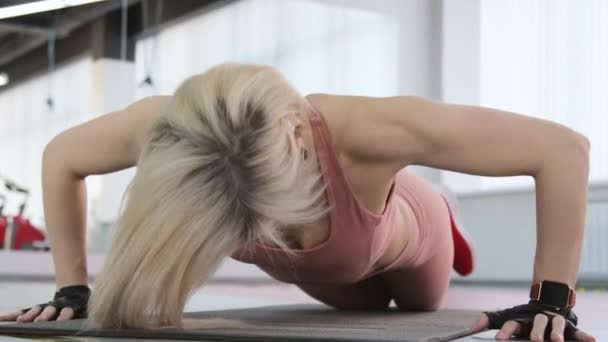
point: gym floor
(592, 306)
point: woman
(313, 190)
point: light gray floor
(592, 306)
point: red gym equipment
(17, 232)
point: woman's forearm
(64, 198)
(561, 202)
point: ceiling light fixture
(40, 6)
(3, 79)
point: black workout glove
(75, 297)
(524, 314)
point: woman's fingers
(66, 314)
(10, 317)
(538, 330)
(47, 314)
(36, 314)
(482, 323)
(30, 315)
(583, 336)
(509, 329)
(557, 333)
(559, 326)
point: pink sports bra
(357, 239)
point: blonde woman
(311, 189)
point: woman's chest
(370, 191)
(372, 194)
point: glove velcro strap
(80, 292)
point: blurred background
(545, 58)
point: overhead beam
(40, 7)
(27, 29)
(68, 20)
(36, 61)
(96, 37)
(27, 45)
(92, 32)
(173, 11)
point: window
(548, 59)
(319, 48)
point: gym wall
(29, 123)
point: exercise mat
(299, 322)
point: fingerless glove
(524, 314)
(75, 297)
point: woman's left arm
(492, 142)
(561, 202)
(406, 130)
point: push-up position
(311, 189)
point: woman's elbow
(580, 147)
(585, 143)
(576, 142)
(51, 153)
(55, 159)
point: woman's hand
(531, 321)
(69, 302)
(36, 313)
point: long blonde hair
(220, 170)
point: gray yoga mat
(300, 322)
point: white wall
(81, 89)
(27, 124)
(503, 225)
(460, 53)
(419, 41)
(113, 90)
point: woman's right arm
(103, 145)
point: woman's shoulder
(360, 130)
(340, 113)
(369, 178)
(334, 109)
(143, 114)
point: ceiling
(21, 35)
(4, 3)
(95, 28)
